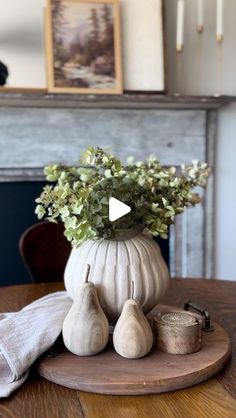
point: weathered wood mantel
(20, 112)
(41, 128)
(127, 101)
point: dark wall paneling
(17, 214)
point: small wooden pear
(85, 329)
(132, 337)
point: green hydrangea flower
(80, 196)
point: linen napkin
(26, 334)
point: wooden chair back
(45, 251)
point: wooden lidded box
(178, 332)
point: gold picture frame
(85, 58)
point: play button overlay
(117, 209)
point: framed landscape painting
(83, 46)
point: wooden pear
(132, 336)
(85, 329)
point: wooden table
(216, 398)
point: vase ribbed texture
(114, 266)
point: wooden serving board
(108, 373)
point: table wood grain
(216, 398)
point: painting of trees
(58, 20)
(99, 49)
(83, 43)
(108, 33)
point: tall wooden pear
(85, 329)
(132, 337)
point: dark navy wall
(164, 245)
(17, 204)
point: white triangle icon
(117, 209)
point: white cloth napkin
(26, 334)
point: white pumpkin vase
(115, 264)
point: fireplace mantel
(41, 128)
(125, 101)
(24, 109)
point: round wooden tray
(108, 373)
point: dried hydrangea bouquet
(119, 252)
